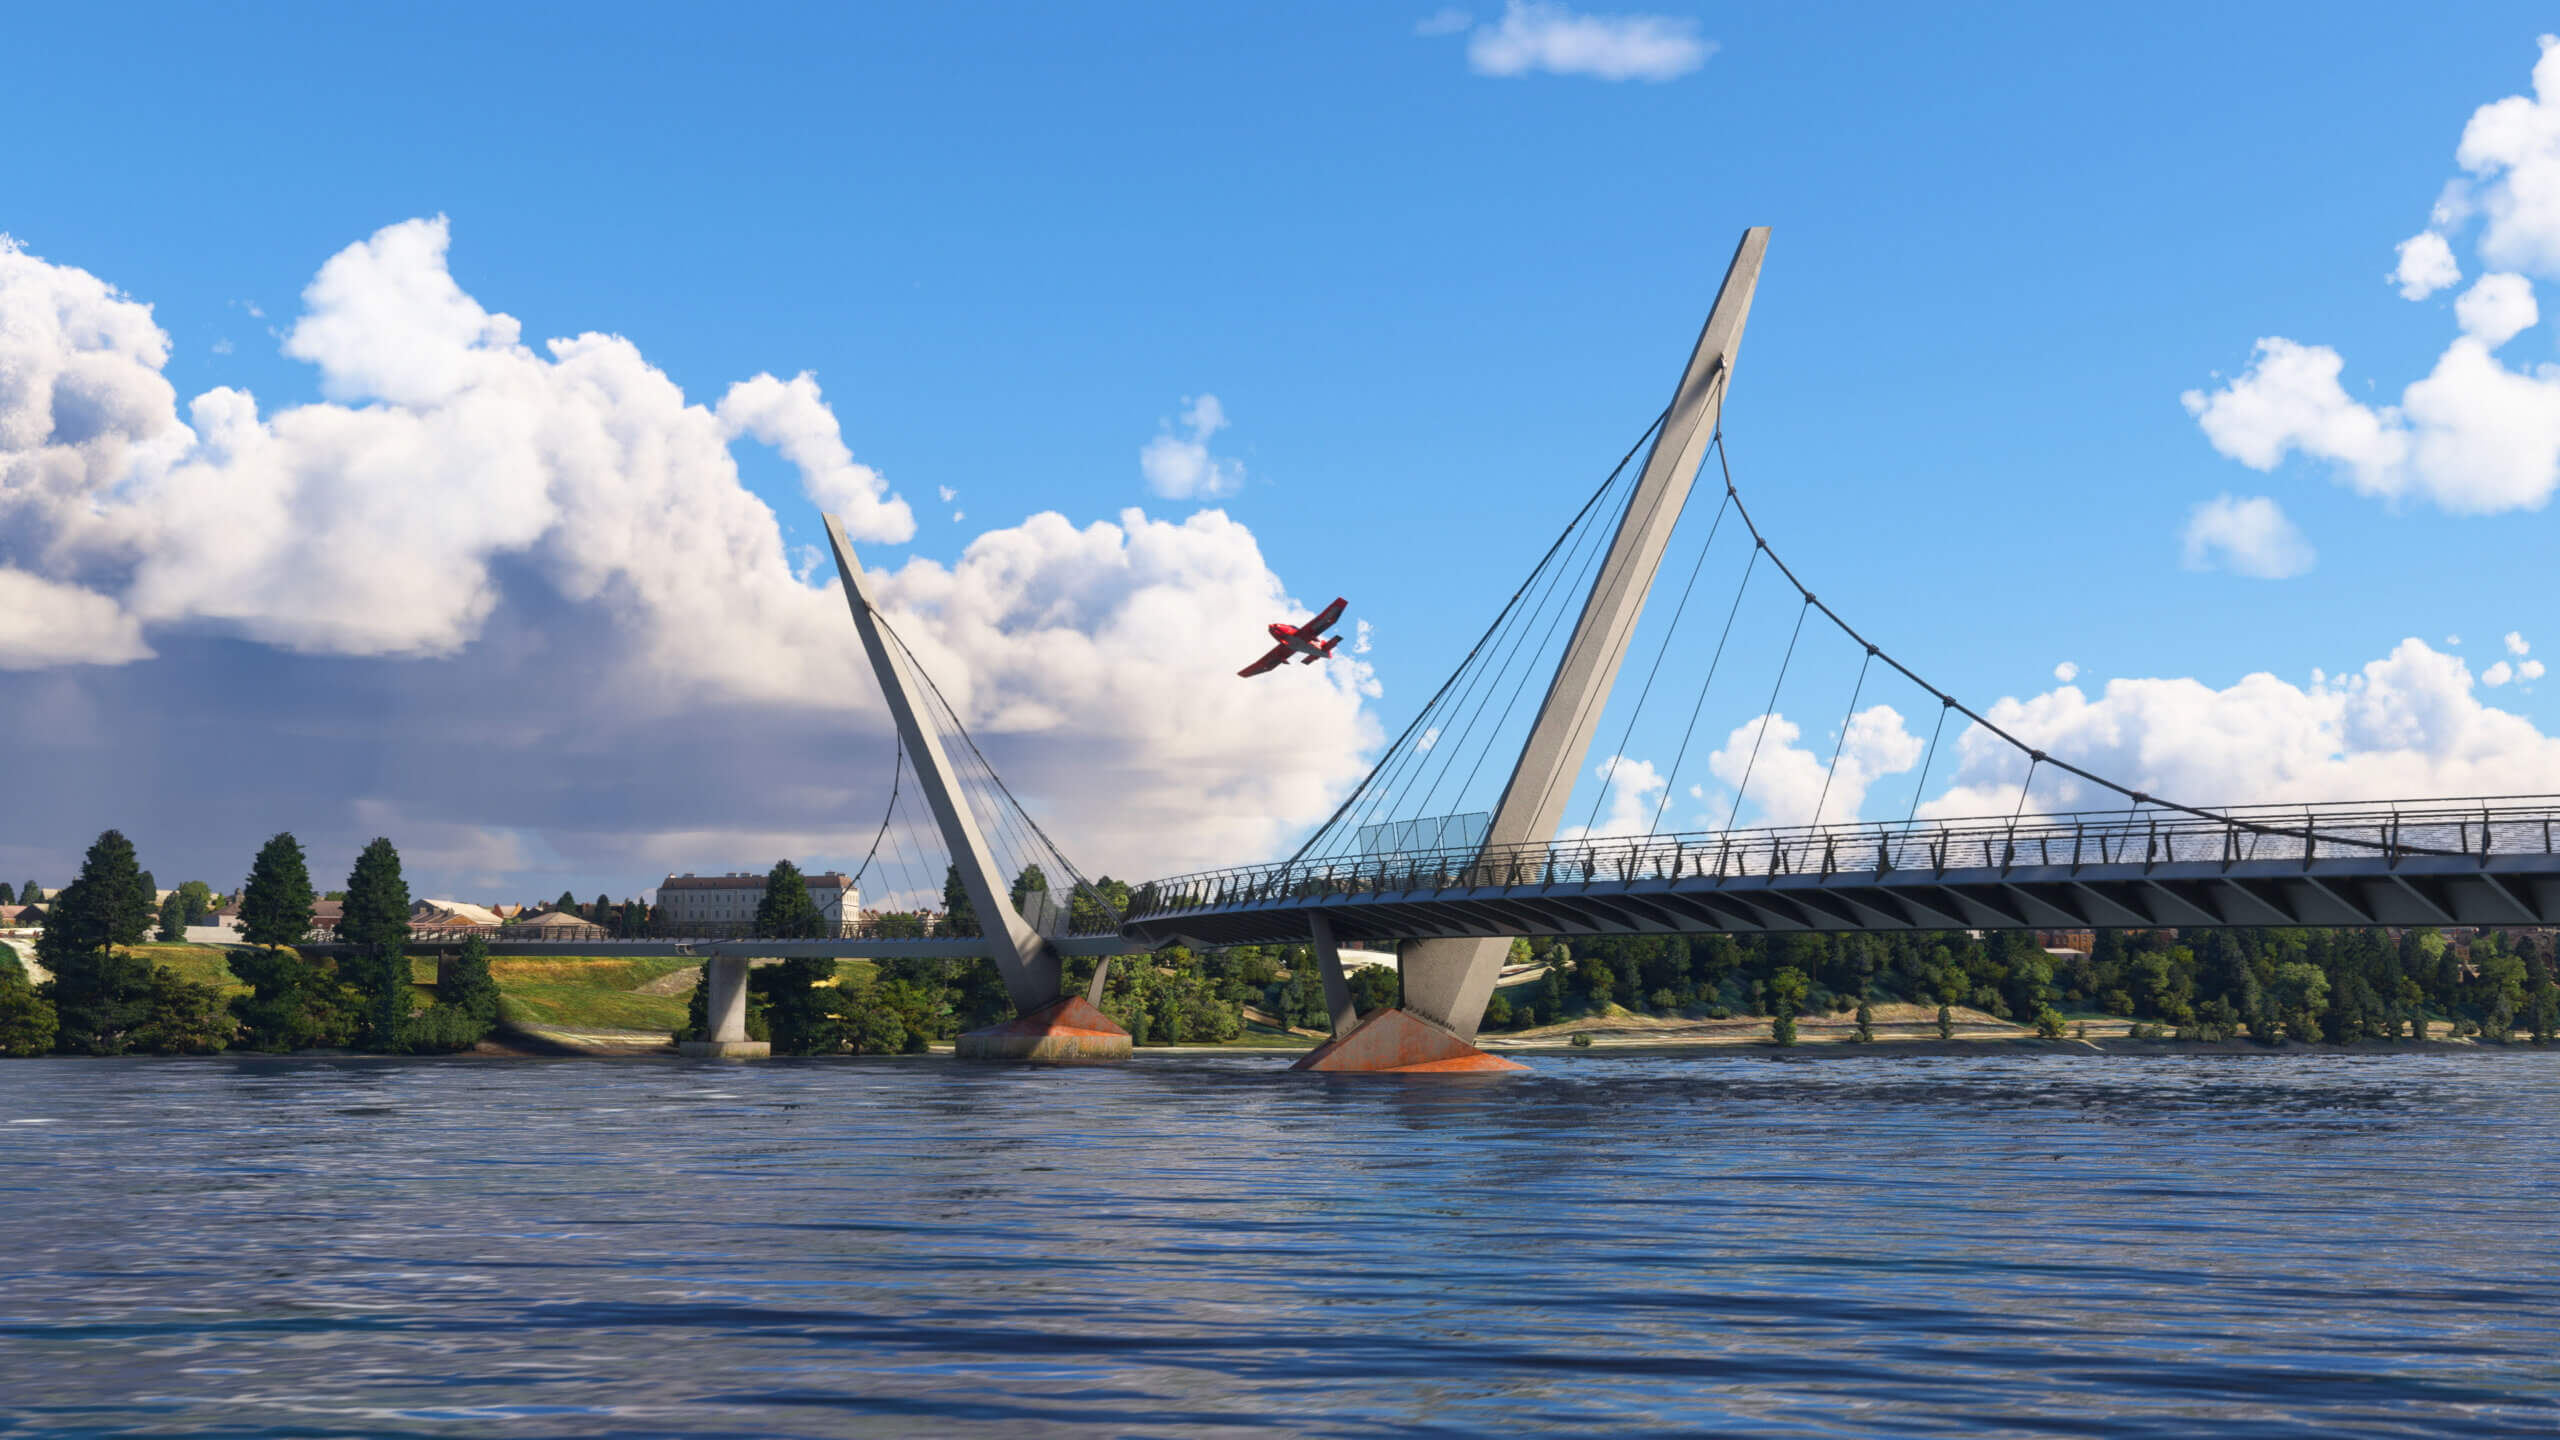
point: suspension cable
(1672, 780)
(1854, 692)
(1770, 714)
(1927, 757)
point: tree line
(104, 997)
(2273, 986)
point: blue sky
(1012, 243)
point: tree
(602, 914)
(275, 905)
(27, 1022)
(375, 923)
(1786, 996)
(185, 1018)
(2048, 1023)
(959, 918)
(786, 912)
(2301, 992)
(467, 986)
(173, 919)
(31, 893)
(292, 1004)
(100, 992)
(1946, 1023)
(1866, 1022)
(196, 898)
(568, 902)
(7, 895)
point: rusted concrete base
(724, 1049)
(1063, 1032)
(1392, 1042)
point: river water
(2253, 1245)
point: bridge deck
(2492, 863)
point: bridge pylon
(1051, 1025)
(1447, 982)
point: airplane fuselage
(1298, 644)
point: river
(2006, 1245)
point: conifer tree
(100, 991)
(376, 923)
(173, 919)
(567, 901)
(786, 912)
(959, 917)
(7, 895)
(275, 905)
(603, 913)
(467, 985)
(31, 893)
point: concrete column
(724, 979)
(1337, 985)
(1448, 981)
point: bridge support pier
(724, 978)
(1386, 1042)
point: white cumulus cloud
(2516, 643)
(2246, 537)
(1789, 784)
(1629, 791)
(547, 550)
(2474, 436)
(1180, 467)
(1536, 36)
(2066, 672)
(2407, 726)
(2426, 266)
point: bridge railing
(2473, 828)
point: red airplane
(1300, 640)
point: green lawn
(203, 964)
(588, 992)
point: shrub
(2048, 1023)
(27, 1022)
(1582, 1039)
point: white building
(731, 899)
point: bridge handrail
(2475, 828)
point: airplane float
(1300, 640)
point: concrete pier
(724, 980)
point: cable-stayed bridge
(1457, 840)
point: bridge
(1457, 839)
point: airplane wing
(1324, 617)
(1279, 656)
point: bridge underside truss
(2345, 891)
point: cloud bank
(513, 600)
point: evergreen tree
(568, 902)
(8, 896)
(275, 905)
(31, 893)
(100, 991)
(27, 1023)
(467, 986)
(375, 923)
(185, 1017)
(292, 1004)
(786, 912)
(1946, 1023)
(1786, 994)
(959, 918)
(602, 914)
(173, 919)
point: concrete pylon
(724, 978)
(1053, 1025)
(1447, 982)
